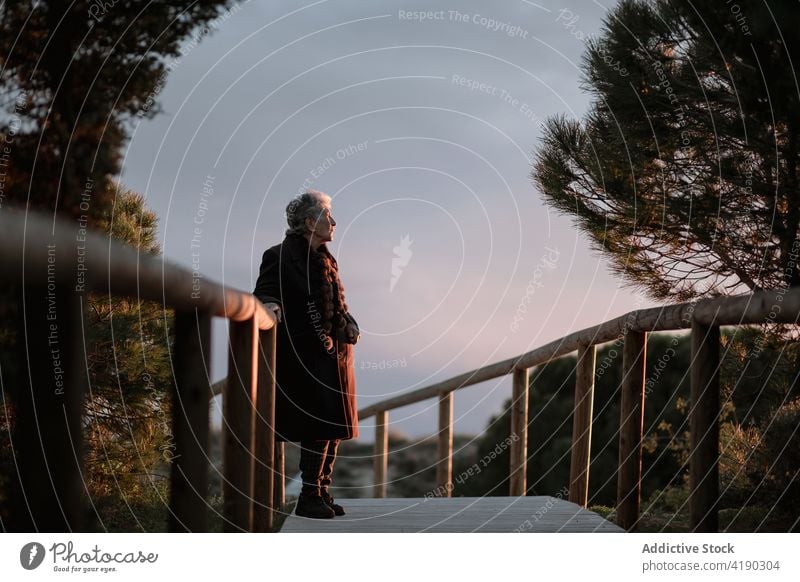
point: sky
(422, 128)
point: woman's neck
(313, 241)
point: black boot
(310, 505)
(337, 509)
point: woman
(315, 379)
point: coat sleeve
(268, 284)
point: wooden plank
(519, 432)
(238, 422)
(444, 464)
(264, 436)
(381, 460)
(582, 426)
(456, 514)
(629, 477)
(704, 428)
(190, 418)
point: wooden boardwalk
(456, 514)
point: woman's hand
(275, 308)
(352, 333)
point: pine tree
(127, 411)
(73, 76)
(684, 172)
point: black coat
(315, 389)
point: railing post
(519, 432)
(444, 466)
(380, 462)
(631, 427)
(704, 428)
(189, 471)
(48, 490)
(238, 419)
(264, 446)
(582, 426)
(279, 487)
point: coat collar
(299, 249)
(296, 250)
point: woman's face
(323, 227)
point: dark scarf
(326, 288)
(329, 289)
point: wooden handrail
(62, 261)
(754, 308)
(119, 269)
(703, 316)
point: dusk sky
(422, 132)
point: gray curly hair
(309, 204)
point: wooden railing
(54, 264)
(704, 317)
(58, 262)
